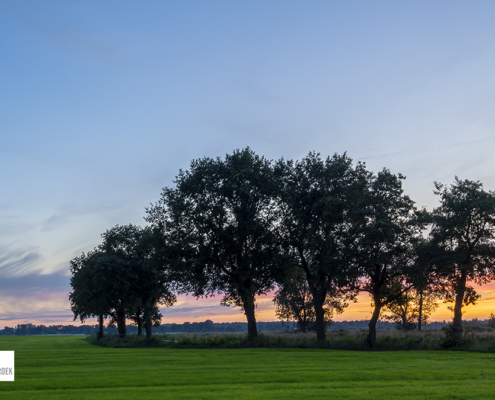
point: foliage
(424, 276)
(474, 339)
(120, 278)
(320, 230)
(317, 202)
(463, 229)
(491, 321)
(149, 276)
(294, 302)
(404, 309)
(222, 217)
(101, 286)
(452, 339)
(88, 297)
(381, 239)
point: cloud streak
(424, 149)
(15, 262)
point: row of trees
(318, 230)
(124, 277)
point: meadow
(70, 368)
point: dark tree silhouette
(380, 241)
(137, 316)
(317, 202)
(121, 278)
(222, 217)
(410, 308)
(101, 287)
(149, 282)
(294, 302)
(88, 298)
(463, 228)
(424, 276)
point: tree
(294, 302)
(411, 308)
(221, 220)
(424, 276)
(149, 281)
(122, 278)
(115, 280)
(463, 227)
(101, 288)
(380, 241)
(491, 321)
(88, 297)
(317, 202)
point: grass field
(70, 368)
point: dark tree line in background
(319, 231)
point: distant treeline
(209, 326)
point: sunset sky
(101, 104)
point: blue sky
(101, 103)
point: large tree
(149, 279)
(101, 287)
(381, 240)
(318, 200)
(122, 278)
(464, 229)
(88, 298)
(222, 218)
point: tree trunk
(420, 316)
(121, 323)
(147, 322)
(459, 298)
(139, 322)
(100, 327)
(372, 324)
(248, 303)
(320, 320)
(404, 321)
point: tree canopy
(317, 202)
(316, 231)
(223, 217)
(463, 229)
(121, 278)
(380, 241)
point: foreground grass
(70, 368)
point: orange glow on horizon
(190, 309)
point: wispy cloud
(426, 149)
(16, 262)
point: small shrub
(491, 321)
(453, 339)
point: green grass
(70, 368)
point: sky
(101, 104)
